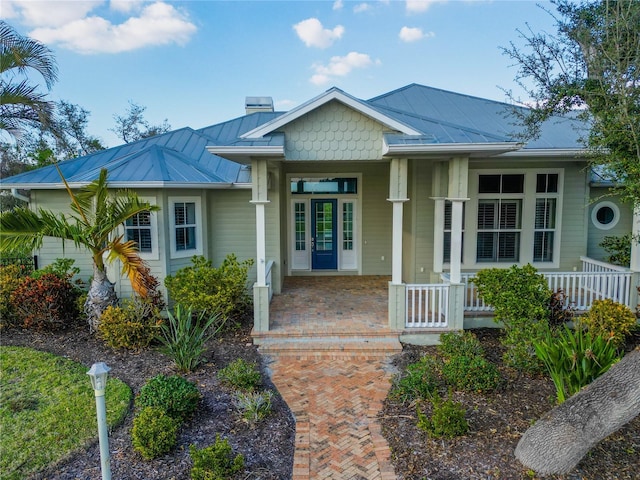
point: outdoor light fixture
(98, 375)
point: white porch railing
(427, 306)
(599, 280)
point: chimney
(258, 104)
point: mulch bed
(267, 447)
(496, 421)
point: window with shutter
(446, 252)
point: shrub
(11, 276)
(154, 433)
(618, 248)
(419, 380)
(574, 359)
(47, 303)
(215, 462)
(240, 374)
(204, 288)
(610, 320)
(133, 326)
(61, 267)
(254, 406)
(175, 395)
(183, 337)
(520, 298)
(471, 373)
(447, 419)
(453, 344)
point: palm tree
(21, 105)
(93, 225)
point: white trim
(526, 230)
(244, 153)
(322, 99)
(154, 254)
(341, 198)
(470, 149)
(199, 226)
(570, 154)
(612, 223)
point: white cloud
(125, 6)
(338, 4)
(313, 34)
(419, 6)
(340, 66)
(413, 34)
(284, 104)
(361, 7)
(158, 24)
(42, 14)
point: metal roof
(416, 116)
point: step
(332, 345)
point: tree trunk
(559, 440)
(101, 295)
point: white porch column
(635, 240)
(438, 233)
(458, 186)
(634, 265)
(259, 188)
(397, 196)
(259, 199)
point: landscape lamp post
(98, 374)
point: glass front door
(324, 253)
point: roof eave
(450, 149)
(136, 185)
(568, 153)
(244, 154)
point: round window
(605, 215)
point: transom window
(306, 186)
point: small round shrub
(241, 375)
(472, 374)
(453, 344)
(154, 433)
(215, 462)
(133, 326)
(47, 303)
(610, 320)
(175, 395)
(419, 380)
(11, 276)
(447, 419)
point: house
(423, 185)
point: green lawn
(47, 409)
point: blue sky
(194, 62)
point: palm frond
(132, 265)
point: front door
(324, 252)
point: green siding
(596, 235)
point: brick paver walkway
(329, 347)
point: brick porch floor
(329, 346)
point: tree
(21, 105)
(591, 68)
(93, 225)
(70, 131)
(132, 126)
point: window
(446, 253)
(499, 219)
(605, 215)
(324, 186)
(300, 226)
(347, 226)
(138, 229)
(545, 217)
(186, 235)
